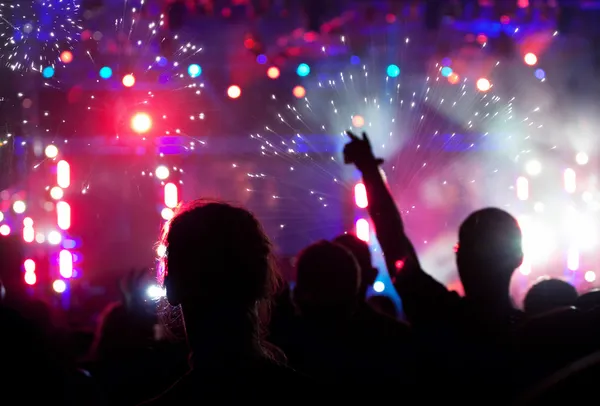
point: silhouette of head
(548, 295)
(489, 250)
(328, 279)
(588, 300)
(361, 252)
(218, 265)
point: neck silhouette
(222, 336)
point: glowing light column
(63, 221)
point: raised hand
(359, 152)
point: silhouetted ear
(172, 294)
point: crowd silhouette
(232, 331)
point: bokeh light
(393, 71)
(128, 80)
(453, 78)
(194, 70)
(303, 70)
(540, 74)
(483, 85)
(582, 158)
(533, 167)
(19, 207)
(162, 172)
(48, 72)
(106, 72)
(51, 151)
(358, 121)
(530, 59)
(234, 92)
(446, 71)
(141, 123)
(59, 286)
(299, 92)
(66, 57)
(273, 72)
(4, 230)
(57, 193)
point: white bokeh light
(162, 172)
(378, 286)
(582, 158)
(533, 168)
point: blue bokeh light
(354, 60)
(262, 59)
(194, 70)
(48, 72)
(303, 69)
(446, 71)
(540, 74)
(162, 62)
(106, 72)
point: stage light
(194, 70)
(66, 57)
(378, 286)
(57, 193)
(29, 265)
(530, 59)
(59, 286)
(51, 151)
(155, 292)
(273, 72)
(358, 121)
(30, 278)
(363, 230)
(48, 72)
(166, 214)
(161, 250)
(63, 215)
(54, 238)
(63, 174)
(570, 180)
(573, 258)
(28, 234)
(299, 92)
(106, 72)
(65, 264)
(303, 70)
(590, 276)
(354, 60)
(171, 195)
(4, 230)
(446, 71)
(161, 172)
(27, 222)
(533, 168)
(19, 207)
(128, 80)
(483, 85)
(393, 71)
(522, 188)
(234, 91)
(1, 216)
(360, 196)
(141, 123)
(453, 78)
(582, 158)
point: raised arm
(424, 299)
(389, 228)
